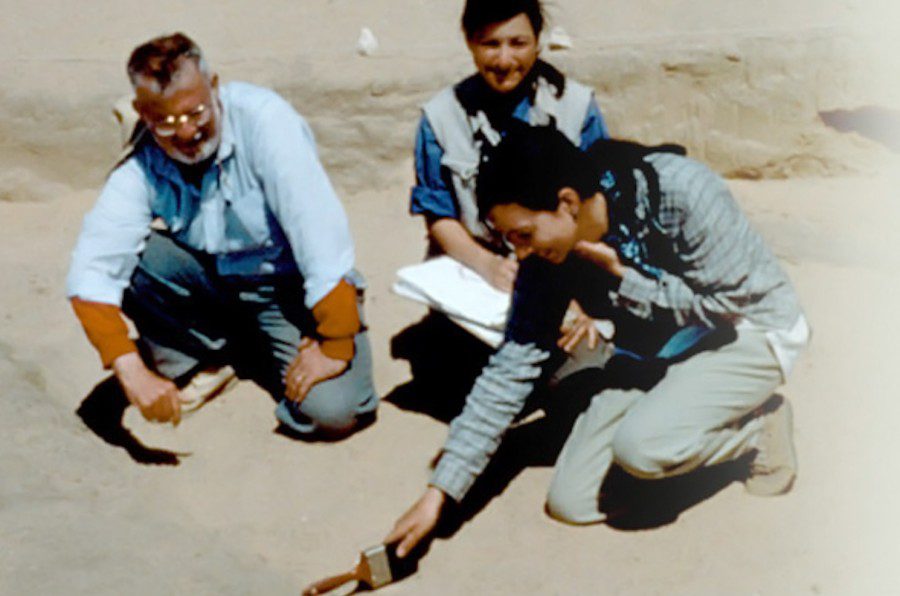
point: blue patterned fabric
(631, 224)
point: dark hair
(160, 58)
(478, 14)
(532, 163)
(529, 167)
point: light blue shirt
(265, 194)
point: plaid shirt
(717, 271)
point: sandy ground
(248, 511)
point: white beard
(207, 148)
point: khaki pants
(688, 419)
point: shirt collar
(226, 141)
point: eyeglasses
(168, 126)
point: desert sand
(248, 511)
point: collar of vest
(475, 95)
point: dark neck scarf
(630, 221)
(476, 95)
(633, 228)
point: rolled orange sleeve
(105, 328)
(337, 321)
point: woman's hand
(500, 272)
(456, 242)
(417, 522)
(576, 327)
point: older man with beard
(222, 239)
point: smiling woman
(504, 52)
(511, 84)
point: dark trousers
(189, 317)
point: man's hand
(156, 397)
(500, 272)
(310, 367)
(600, 254)
(417, 522)
(576, 327)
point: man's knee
(165, 260)
(333, 417)
(164, 283)
(336, 410)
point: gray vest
(457, 133)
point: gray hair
(157, 62)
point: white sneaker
(774, 469)
(206, 385)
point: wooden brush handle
(330, 583)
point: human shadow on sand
(445, 360)
(103, 410)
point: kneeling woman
(657, 237)
(511, 84)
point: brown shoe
(775, 467)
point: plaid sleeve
(498, 395)
(716, 249)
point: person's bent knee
(332, 420)
(570, 508)
(164, 261)
(333, 414)
(567, 511)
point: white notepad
(450, 287)
(465, 297)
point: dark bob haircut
(529, 167)
(478, 14)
